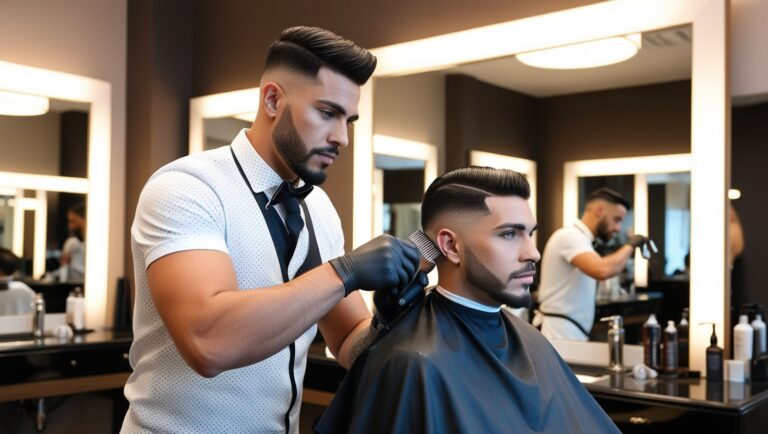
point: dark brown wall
(638, 121)
(749, 155)
(231, 36)
(484, 117)
(158, 93)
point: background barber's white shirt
(565, 289)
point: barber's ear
(448, 244)
(271, 94)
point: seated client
(457, 362)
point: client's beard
(482, 278)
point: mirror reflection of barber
(73, 252)
(571, 268)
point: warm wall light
(590, 54)
(19, 104)
(734, 194)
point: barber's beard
(483, 279)
(603, 231)
(294, 150)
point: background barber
(570, 267)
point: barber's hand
(383, 262)
(391, 302)
(637, 241)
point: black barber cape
(446, 368)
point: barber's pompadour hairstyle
(9, 262)
(608, 195)
(306, 49)
(465, 190)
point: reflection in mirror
(658, 189)
(220, 131)
(398, 187)
(46, 228)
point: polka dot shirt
(201, 202)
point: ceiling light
(590, 54)
(19, 104)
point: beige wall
(412, 107)
(749, 34)
(30, 144)
(83, 37)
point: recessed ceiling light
(590, 54)
(19, 104)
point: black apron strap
(284, 248)
(566, 317)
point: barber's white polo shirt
(565, 289)
(202, 202)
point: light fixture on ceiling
(589, 54)
(19, 104)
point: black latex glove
(383, 262)
(391, 302)
(637, 241)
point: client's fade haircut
(306, 49)
(465, 190)
(610, 196)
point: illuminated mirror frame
(637, 166)
(97, 93)
(710, 114)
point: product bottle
(682, 340)
(743, 336)
(78, 312)
(38, 321)
(70, 310)
(759, 334)
(714, 357)
(742, 339)
(670, 350)
(651, 342)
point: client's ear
(447, 242)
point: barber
(239, 260)
(570, 267)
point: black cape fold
(445, 368)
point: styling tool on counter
(743, 336)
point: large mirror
(658, 189)
(685, 49)
(692, 35)
(54, 176)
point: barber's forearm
(239, 328)
(354, 344)
(617, 261)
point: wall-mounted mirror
(687, 42)
(52, 163)
(691, 34)
(658, 189)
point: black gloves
(383, 262)
(637, 241)
(390, 302)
